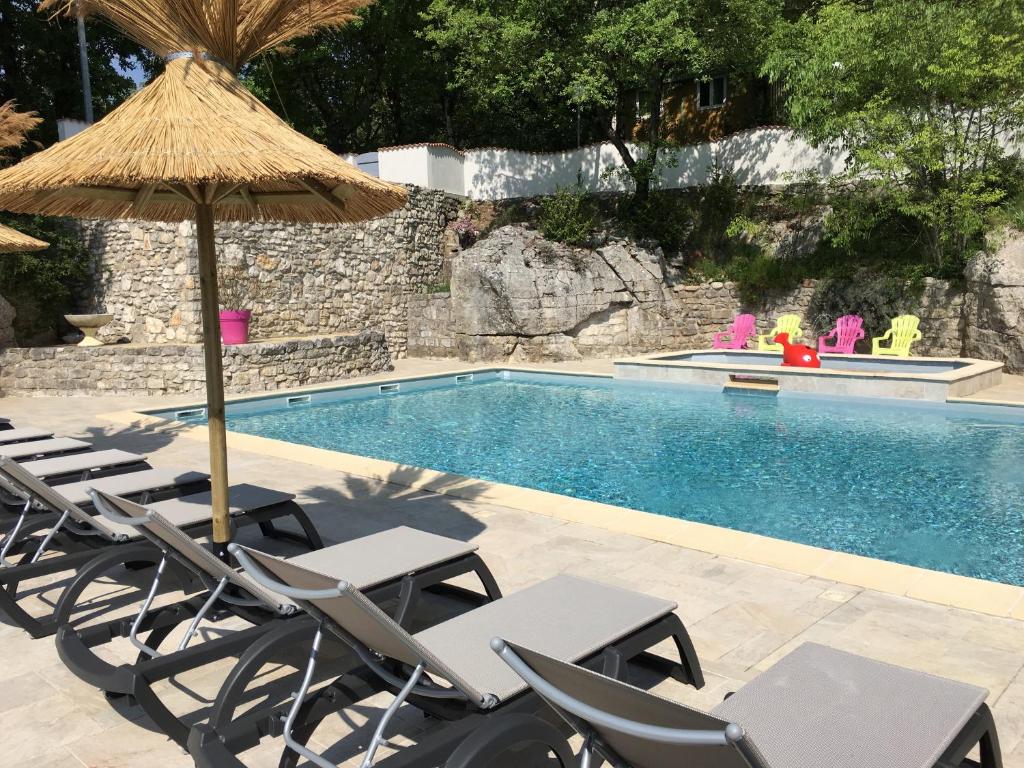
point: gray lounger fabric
(81, 462)
(822, 707)
(23, 433)
(131, 483)
(43, 447)
(189, 510)
(567, 616)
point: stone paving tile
(742, 617)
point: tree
(925, 98)
(371, 83)
(39, 65)
(531, 64)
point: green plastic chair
(902, 334)
(785, 324)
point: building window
(711, 93)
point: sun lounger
(399, 563)
(44, 505)
(39, 449)
(24, 434)
(76, 538)
(84, 466)
(454, 675)
(816, 707)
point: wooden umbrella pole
(214, 376)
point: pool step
(751, 386)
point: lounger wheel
(298, 631)
(103, 562)
(507, 732)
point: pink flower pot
(234, 326)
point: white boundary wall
(758, 157)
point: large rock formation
(518, 296)
(994, 328)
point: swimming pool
(933, 486)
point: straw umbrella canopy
(196, 145)
(14, 125)
(13, 241)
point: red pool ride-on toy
(797, 355)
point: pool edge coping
(951, 590)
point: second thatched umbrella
(14, 126)
(195, 144)
(13, 241)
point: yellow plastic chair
(785, 324)
(902, 334)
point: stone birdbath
(89, 325)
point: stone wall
(146, 275)
(319, 279)
(430, 326)
(943, 320)
(994, 314)
(161, 369)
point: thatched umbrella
(14, 126)
(13, 241)
(195, 144)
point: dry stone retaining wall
(430, 326)
(317, 278)
(160, 369)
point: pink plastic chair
(743, 327)
(848, 331)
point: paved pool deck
(742, 615)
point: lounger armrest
(115, 517)
(884, 336)
(729, 735)
(917, 335)
(261, 577)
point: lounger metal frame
(472, 734)
(271, 634)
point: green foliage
(39, 65)
(876, 297)
(372, 83)
(42, 286)
(922, 95)
(863, 236)
(568, 216)
(662, 216)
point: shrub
(662, 217)
(875, 297)
(568, 216)
(43, 285)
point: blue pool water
(932, 487)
